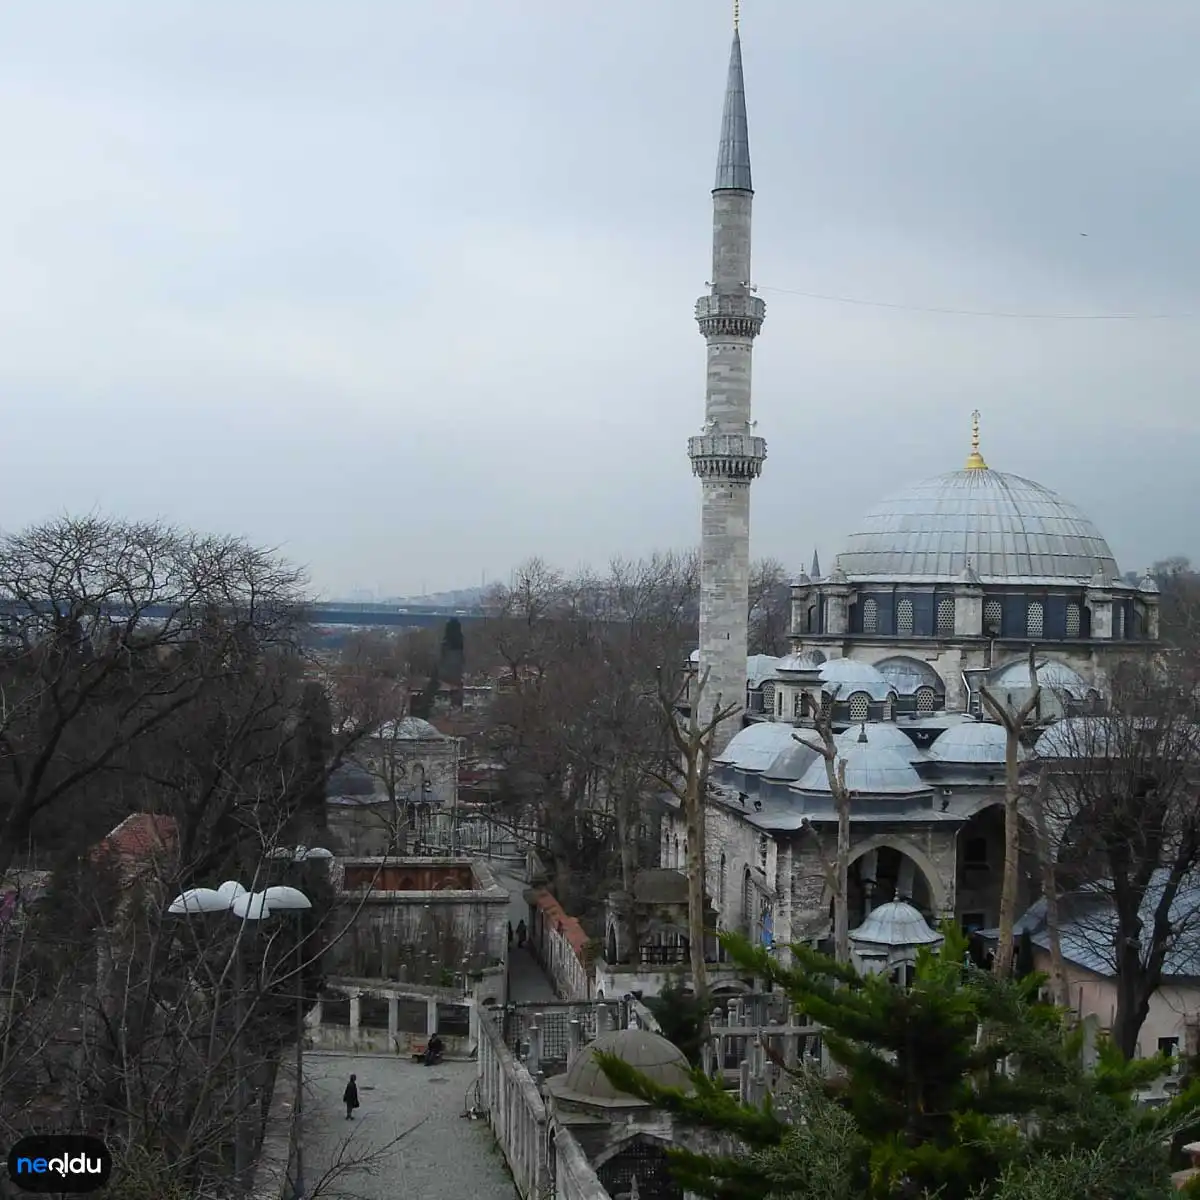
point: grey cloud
(407, 290)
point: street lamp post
(300, 854)
(233, 898)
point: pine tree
(925, 1107)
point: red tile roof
(557, 918)
(140, 836)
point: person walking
(350, 1097)
(521, 931)
(510, 933)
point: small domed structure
(791, 762)
(650, 1053)
(410, 729)
(756, 747)
(891, 936)
(1076, 737)
(973, 743)
(882, 736)
(870, 770)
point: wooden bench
(418, 1050)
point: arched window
(1074, 620)
(678, 861)
(1035, 619)
(870, 615)
(993, 618)
(945, 616)
(812, 619)
(904, 618)
(926, 700)
(797, 704)
(1118, 621)
(763, 849)
(721, 885)
(860, 706)
(779, 704)
(747, 900)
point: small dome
(1053, 676)
(895, 924)
(760, 668)
(850, 670)
(809, 660)
(791, 762)
(350, 780)
(973, 743)
(756, 747)
(655, 1057)
(409, 729)
(883, 737)
(1149, 584)
(1076, 737)
(869, 770)
(1007, 528)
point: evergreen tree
(680, 1016)
(926, 1105)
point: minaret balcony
(727, 455)
(730, 314)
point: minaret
(727, 457)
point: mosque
(942, 591)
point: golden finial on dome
(975, 459)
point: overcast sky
(406, 289)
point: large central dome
(1008, 529)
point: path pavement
(527, 982)
(445, 1156)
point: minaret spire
(728, 455)
(733, 156)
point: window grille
(904, 618)
(870, 616)
(859, 706)
(1074, 620)
(1035, 619)
(945, 616)
(926, 699)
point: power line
(858, 301)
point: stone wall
(451, 922)
(559, 944)
(276, 1164)
(519, 1121)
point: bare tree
(116, 632)
(687, 779)
(770, 607)
(1120, 793)
(1014, 722)
(837, 872)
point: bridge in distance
(327, 613)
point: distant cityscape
(458, 598)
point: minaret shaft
(728, 456)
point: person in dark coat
(350, 1097)
(521, 933)
(510, 934)
(434, 1051)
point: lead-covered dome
(1006, 528)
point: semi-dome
(656, 1058)
(756, 747)
(1051, 675)
(849, 675)
(973, 743)
(1005, 528)
(791, 762)
(881, 737)
(808, 660)
(870, 770)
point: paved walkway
(444, 1157)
